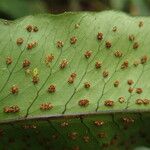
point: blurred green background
(12, 9)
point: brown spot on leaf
(64, 124)
(100, 36)
(31, 45)
(77, 26)
(29, 28)
(35, 29)
(46, 106)
(83, 102)
(105, 73)
(70, 80)
(139, 101)
(87, 85)
(125, 64)
(98, 123)
(86, 139)
(73, 135)
(35, 79)
(130, 82)
(116, 83)
(60, 44)
(141, 23)
(88, 54)
(136, 63)
(9, 60)
(131, 37)
(108, 44)
(109, 103)
(73, 40)
(29, 126)
(146, 101)
(135, 45)
(19, 41)
(52, 88)
(49, 58)
(14, 89)
(63, 63)
(26, 63)
(98, 64)
(114, 29)
(144, 59)
(130, 90)
(118, 53)
(73, 75)
(121, 99)
(139, 90)
(11, 109)
(127, 120)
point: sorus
(60, 44)
(83, 102)
(19, 41)
(108, 44)
(109, 103)
(131, 37)
(130, 82)
(35, 79)
(14, 89)
(86, 139)
(73, 40)
(98, 123)
(100, 36)
(121, 99)
(125, 65)
(88, 54)
(29, 28)
(144, 59)
(116, 83)
(87, 85)
(98, 64)
(135, 45)
(52, 88)
(11, 109)
(130, 90)
(118, 54)
(46, 106)
(63, 63)
(73, 135)
(26, 63)
(105, 73)
(9, 60)
(139, 90)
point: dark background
(12, 9)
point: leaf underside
(75, 64)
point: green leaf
(117, 4)
(19, 8)
(94, 65)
